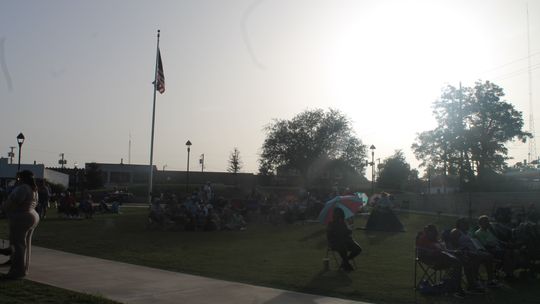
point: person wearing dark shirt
(44, 195)
(474, 250)
(500, 250)
(340, 239)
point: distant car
(121, 197)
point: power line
(517, 72)
(510, 63)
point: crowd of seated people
(290, 209)
(196, 213)
(496, 248)
(205, 211)
(520, 234)
(68, 207)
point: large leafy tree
(395, 172)
(93, 176)
(473, 126)
(310, 143)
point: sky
(76, 76)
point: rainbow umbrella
(350, 204)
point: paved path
(128, 283)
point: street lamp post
(76, 177)
(372, 148)
(20, 141)
(188, 145)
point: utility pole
(11, 155)
(532, 141)
(129, 149)
(62, 161)
(462, 137)
(372, 148)
(201, 161)
(429, 178)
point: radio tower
(532, 141)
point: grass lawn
(23, 292)
(285, 256)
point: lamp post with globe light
(188, 145)
(20, 142)
(372, 148)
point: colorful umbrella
(350, 204)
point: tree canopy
(93, 176)
(311, 143)
(235, 163)
(473, 126)
(395, 172)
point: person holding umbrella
(340, 239)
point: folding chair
(425, 269)
(336, 258)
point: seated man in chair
(473, 250)
(340, 239)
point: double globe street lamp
(372, 148)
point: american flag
(160, 86)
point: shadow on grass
(378, 237)
(314, 235)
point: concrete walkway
(128, 283)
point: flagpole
(151, 174)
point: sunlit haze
(76, 76)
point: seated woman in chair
(340, 239)
(435, 254)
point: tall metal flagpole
(151, 174)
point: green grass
(24, 291)
(285, 256)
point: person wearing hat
(23, 219)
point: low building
(525, 178)
(122, 175)
(441, 184)
(9, 171)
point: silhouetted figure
(340, 239)
(23, 219)
(382, 218)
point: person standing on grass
(340, 239)
(44, 194)
(23, 219)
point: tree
(474, 124)
(310, 142)
(395, 172)
(235, 163)
(94, 179)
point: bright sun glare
(390, 64)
